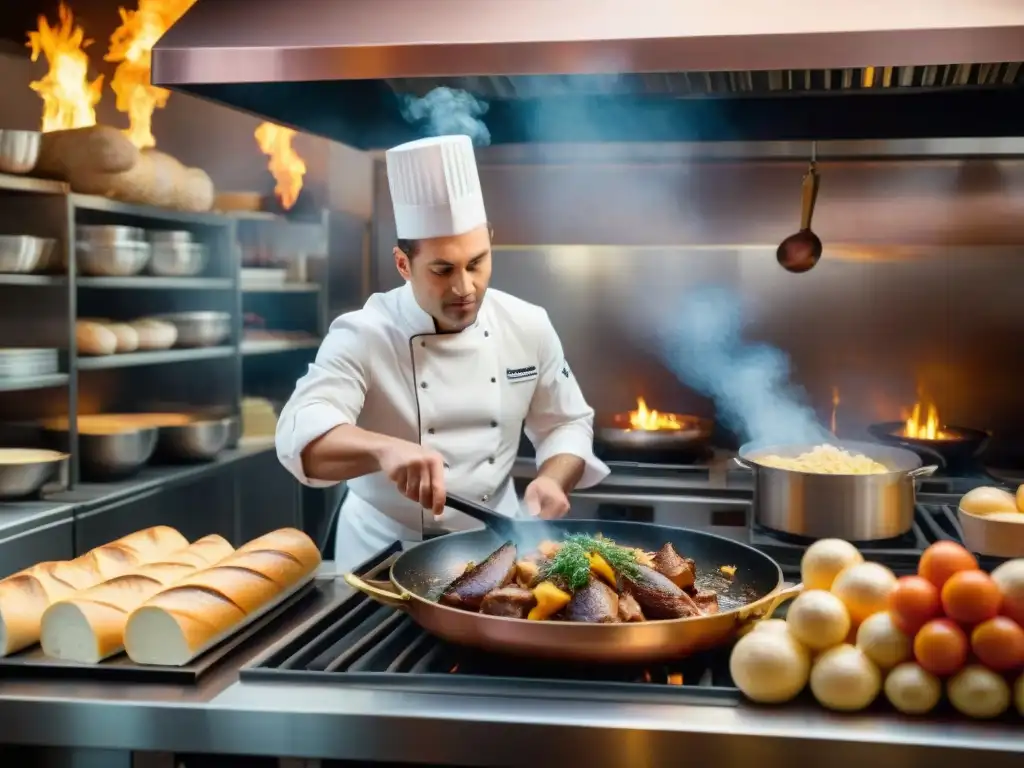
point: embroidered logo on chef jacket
(521, 374)
(566, 370)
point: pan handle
(762, 609)
(500, 524)
(381, 591)
(928, 471)
(742, 464)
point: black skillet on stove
(666, 434)
(420, 574)
(960, 448)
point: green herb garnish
(572, 565)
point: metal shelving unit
(41, 311)
(271, 365)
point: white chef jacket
(465, 395)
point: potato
(824, 560)
(978, 692)
(769, 667)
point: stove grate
(359, 642)
(932, 522)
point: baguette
(179, 623)
(89, 626)
(27, 594)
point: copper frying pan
(419, 575)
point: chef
(427, 388)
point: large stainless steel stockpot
(818, 506)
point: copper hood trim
(251, 41)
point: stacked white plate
(22, 363)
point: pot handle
(759, 610)
(742, 464)
(928, 471)
(381, 591)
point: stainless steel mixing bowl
(202, 440)
(199, 329)
(20, 478)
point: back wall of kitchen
(916, 299)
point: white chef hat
(435, 187)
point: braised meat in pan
(582, 579)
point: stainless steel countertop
(20, 516)
(342, 721)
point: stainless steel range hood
(611, 70)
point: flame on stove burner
(651, 421)
(923, 424)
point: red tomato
(999, 644)
(941, 647)
(913, 602)
(971, 597)
(942, 559)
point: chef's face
(449, 276)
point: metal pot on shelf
(852, 507)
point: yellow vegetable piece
(600, 566)
(550, 600)
(728, 570)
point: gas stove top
(359, 642)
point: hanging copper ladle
(801, 251)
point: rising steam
(446, 111)
(749, 382)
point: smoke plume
(446, 111)
(749, 382)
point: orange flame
(924, 424)
(286, 166)
(131, 44)
(649, 421)
(69, 98)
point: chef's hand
(545, 499)
(416, 471)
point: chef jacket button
(485, 497)
(493, 380)
(490, 459)
(447, 465)
(486, 334)
(430, 431)
(423, 385)
(494, 423)
(423, 343)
